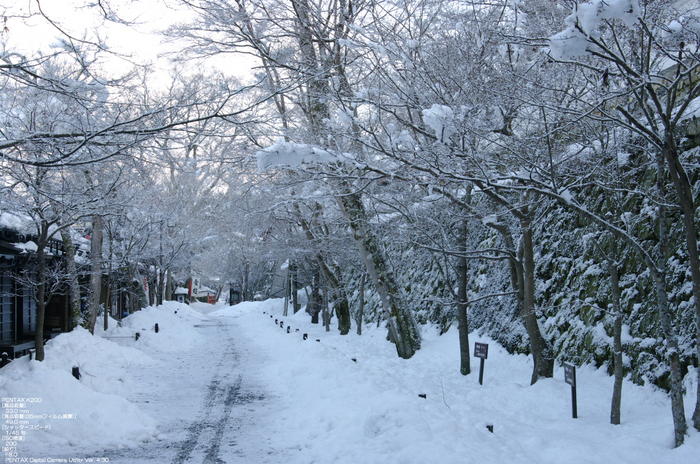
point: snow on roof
(20, 224)
(28, 247)
(24, 225)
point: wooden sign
(570, 378)
(570, 374)
(481, 350)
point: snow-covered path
(207, 402)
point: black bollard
(76, 372)
(137, 336)
(156, 327)
(5, 360)
(289, 329)
(490, 427)
(276, 321)
(282, 324)
(306, 336)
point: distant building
(182, 295)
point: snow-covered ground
(227, 384)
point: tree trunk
(295, 288)
(287, 278)
(522, 275)
(617, 335)
(246, 272)
(342, 312)
(139, 297)
(153, 286)
(336, 294)
(41, 292)
(684, 191)
(677, 407)
(169, 285)
(108, 306)
(95, 272)
(326, 313)
(315, 107)
(361, 310)
(522, 271)
(315, 304)
(73, 283)
(542, 353)
(330, 276)
(403, 329)
(464, 354)
(161, 285)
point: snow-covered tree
(648, 71)
(303, 48)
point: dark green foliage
(573, 293)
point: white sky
(139, 41)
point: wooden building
(18, 309)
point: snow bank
(96, 419)
(176, 331)
(97, 415)
(102, 363)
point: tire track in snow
(206, 426)
(209, 407)
(215, 422)
(222, 394)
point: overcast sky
(139, 40)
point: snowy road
(206, 401)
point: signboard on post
(144, 282)
(194, 286)
(570, 378)
(481, 350)
(570, 374)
